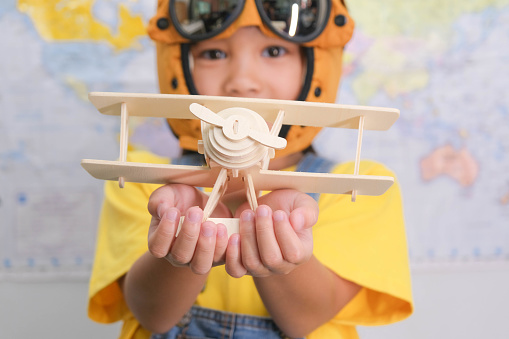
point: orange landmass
(457, 164)
(505, 199)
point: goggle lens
(296, 20)
(198, 20)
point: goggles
(298, 21)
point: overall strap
(314, 163)
(190, 159)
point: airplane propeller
(236, 127)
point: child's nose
(244, 78)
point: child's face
(248, 64)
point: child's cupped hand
(198, 245)
(274, 239)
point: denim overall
(205, 323)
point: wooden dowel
(358, 153)
(124, 137)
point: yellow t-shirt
(363, 242)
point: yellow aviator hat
(324, 64)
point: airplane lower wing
(151, 173)
(264, 180)
(269, 180)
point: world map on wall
(443, 64)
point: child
(297, 268)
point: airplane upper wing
(296, 112)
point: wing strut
(218, 191)
(274, 131)
(358, 153)
(124, 136)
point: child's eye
(213, 54)
(274, 51)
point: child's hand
(273, 242)
(198, 245)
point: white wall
(48, 310)
(457, 303)
(454, 303)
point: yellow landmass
(72, 20)
(367, 84)
(463, 133)
(387, 69)
(406, 82)
(79, 87)
(414, 17)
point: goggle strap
(310, 68)
(184, 56)
(306, 86)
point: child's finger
(268, 247)
(233, 265)
(163, 196)
(203, 258)
(303, 218)
(221, 244)
(249, 245)
(184, 245)
(289, 201)
(162, 232)
(289, 242)
(180, 196)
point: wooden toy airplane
(237, 145)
